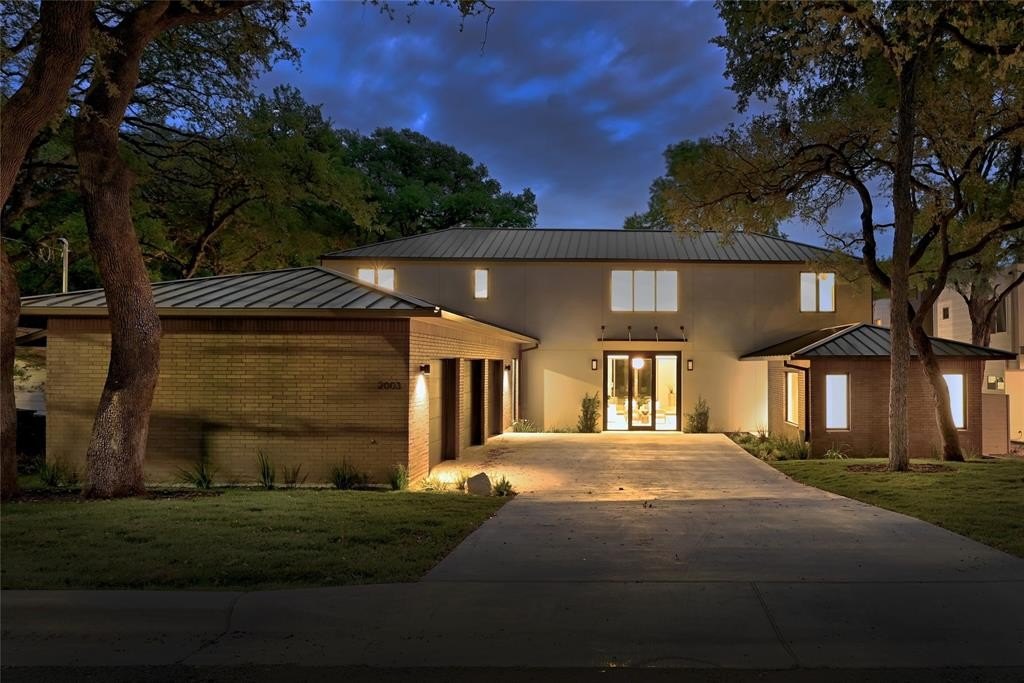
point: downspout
(519, 378)
(807, 397)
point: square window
(367, 275)
(480, 277)
(837, 402)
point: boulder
(479, 485)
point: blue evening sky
(576, 100)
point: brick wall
(869, 407)
(302, 391)
(777, 423)
(429, 342)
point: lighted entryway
(641, 391)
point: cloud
(575, 100)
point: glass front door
(641, 391)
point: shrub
(523, 425)
(434, 485)
(835, 453)
(267, 471)
(590, 413)
(291, 476)
(564, 430)
(199, 475)
(460, 480)
(58, 474)
(398, 477)
(503, 487)
(346, 476)
(697, 421)
(790, 449)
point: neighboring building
(323, 364)
(952, 320)
(880, 312)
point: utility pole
(64, 247)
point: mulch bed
(923, 468)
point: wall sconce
(689, 364)
(593, 364)
(508, 367)
(425, 368)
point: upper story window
(382, 277)
(818, 292)
(999, 318)
(481, 280)
(645, 290)
(945, 312)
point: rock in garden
(479, 485)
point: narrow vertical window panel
(837, 402)
(957, 399)
(792, 397)
(643, 290)
(827, 292)
(808, 292)
(622, 290)
(480, 283)
(667, 290)
(386, 278)
(367, 275)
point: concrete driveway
(690, 507)
(660, 550)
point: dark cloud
(575, 100)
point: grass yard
(981, 499)
(234, 539)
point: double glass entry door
(641, 391)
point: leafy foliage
(58, 474)
(503, 487)
(523, 425)
(293, 476)
(698, 421)
(200, 475)
(347, 476)
(590, 414)
(267, 472)
(398, 477)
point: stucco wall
(727, 309)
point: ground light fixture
(425, 368)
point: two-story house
(408, 351)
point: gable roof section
(309, 288)
(861, 340)
(541, 244)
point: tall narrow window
(386, 278)
(837, 402)
(957, 396)
(792, 398)
(480, 283)
(645, 290)
(622, 290)
(818, 292)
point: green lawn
(237, 539)
(981, 499)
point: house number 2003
(389, 386)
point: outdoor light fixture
(593, 364)
(508, 368)
(638, 363)
(689, 364)
(425, 368)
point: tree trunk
(940, 393)
(117, 449)
(903, 211)
(63, 40)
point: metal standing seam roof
(861, 340)
(308, 288)
(534, 244)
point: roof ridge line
(842, 329)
